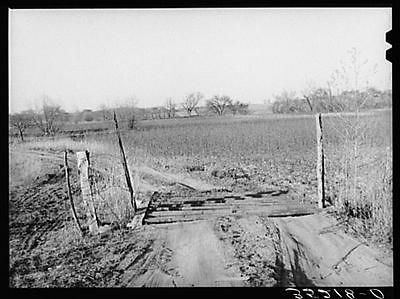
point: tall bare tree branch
(191, 101)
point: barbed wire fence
(104, 188)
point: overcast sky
(86, 58)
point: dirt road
(256, 251)
(200, 257)
(197, 258)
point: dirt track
(200, 257)
(254, 251)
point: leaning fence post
(125, 165)
(87, 192)
(71, 200)
(320, 163)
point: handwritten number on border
(377, 293)
(296, 295)
(327, 295)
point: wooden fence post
(71, 200)
(87, 192)
(320, 163)
(125, 165)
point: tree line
(321, 100)
(49, 118)
(190, 106)
(347, 89)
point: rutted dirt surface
(185, 255)
(304, 251)
(253, 247)
(199, 257)
(321, 254)
(257, 251)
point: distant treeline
(322, 100)
(50, 119)
(152, 113)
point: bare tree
(308, 95)
(316, 98)
(285, 96)
(282, 101)
(127, 111)
(49, 118)
(170, 106)
(21, 121)
(218, 104)
(333, 89)
(350, 84)
(191, 101)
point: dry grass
(62, 144)
(112, 197)
(367, 195)
(22, 169)
(360, 177)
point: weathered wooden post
(71, 200)
(125, 165)
(87, 192)
(320, 163)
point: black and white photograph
(201, 147)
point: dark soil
(45, 249)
